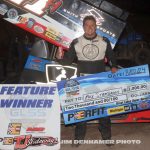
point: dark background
(139, 14)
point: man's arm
(68, 56)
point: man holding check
(89, 51)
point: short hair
(89, 18)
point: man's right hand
(60, 53)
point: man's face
(89, 28)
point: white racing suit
(89, 55)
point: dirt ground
(121, 133)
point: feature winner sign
(30, 117)
(105, 94)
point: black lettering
(70, 116)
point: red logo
(24, 141)
(37, 60)
(35, 129)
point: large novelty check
(105, 94)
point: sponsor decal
(37, 60)
(35, 129)
(14, 129)
(90, 51)
(12, 13)
(22, 20)
(35, 64)
(24, 141)
(28, 140)
(144, 105)
(3, 9)
(30, 23)
(53, 34)
(83, 114)
(55, 72)
(38, 29)
(116, 110)
(72, 87)
(35, 26)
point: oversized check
(95, 96)
(30, 117)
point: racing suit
(90, 54)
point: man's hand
(114, 69)
(60, 53)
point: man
(90, 50)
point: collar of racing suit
(88, 38)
